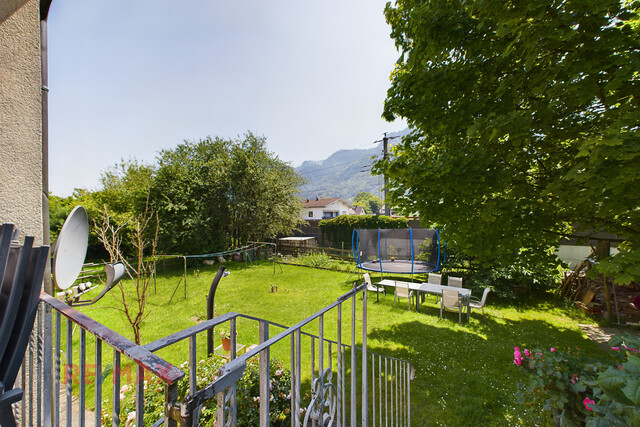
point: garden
(465, 373)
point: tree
(189, 193)
(369, 202)
(263, 191)
(132, 300)
(217, 193)
(525, 121)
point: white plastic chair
(451, 301)
(402, 291)
(454, 282)
(474, 303)
(371, 287)
(435, 279)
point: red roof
(318, 203)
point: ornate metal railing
(346, 385)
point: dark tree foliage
(525, 120)
(216, 193)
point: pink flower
(588, 402)
(620, 367)
(527, 352)
(574, 378)
(517, 357)
(553, 349)
(615, 348)
(278, 372)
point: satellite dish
(71, 248)
(114, 272)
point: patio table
(430, 288)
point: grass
(464, 372)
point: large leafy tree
(263, 191)
(216, 193)
(189, 194)
(525, 124)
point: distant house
(357, 210)
(325, 208)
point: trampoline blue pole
(354, 247)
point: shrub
(340, 229)
(576, 390)
(316, 259)
(247, 395)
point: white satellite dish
(71, 248)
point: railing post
(365, 396)
(139, 395)
(47, 371)
(264, 377)
(56, 380)
(354, 411)
(69, 369)
(81, 377)
(98, 389)
(116, 388)
(170, 398)
(340, 377)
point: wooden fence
(290, 248)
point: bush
(247, 395)
(316, 259)
(340, 229)
(580, 391)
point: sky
(128, 79)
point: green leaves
(525, 121)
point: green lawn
(464, 372)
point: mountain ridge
(345, 173)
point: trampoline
(398, 251)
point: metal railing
(367, 389)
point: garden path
(602, 334)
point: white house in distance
(325, 208)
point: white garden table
(430, 288)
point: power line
(309, 174)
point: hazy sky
(129, 78)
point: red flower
(588, 402)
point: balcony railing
(367, 389)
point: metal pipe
(210, 302)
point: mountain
(345, 173)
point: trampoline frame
(355, 240)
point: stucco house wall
(21, 197)
(333, 209)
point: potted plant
(225, 336)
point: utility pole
(385, 156)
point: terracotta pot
(226, 344)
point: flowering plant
(577, 390)
(247, 395)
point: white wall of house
(332, 210)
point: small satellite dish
(114, 272)
(71, 248)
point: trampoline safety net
(402, 250)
